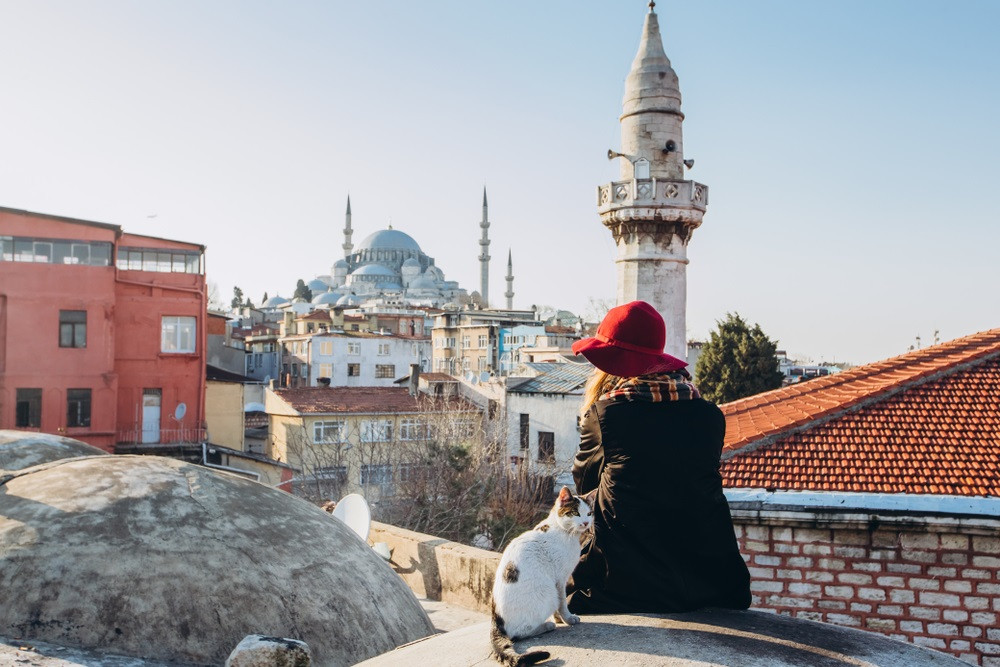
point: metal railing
(178, 436)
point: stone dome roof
(388, 239)
(349, 300)
(374, 270)
(423, 282)
(275, 302)
(317, 285)
(151, 557)
(411, 261)
(20, 449)
(341, 264)
(330, 297)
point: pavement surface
(703, 639)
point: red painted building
(102, 333)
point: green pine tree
(737, 361)
(302, 291)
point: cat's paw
(571, 619)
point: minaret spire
(510, 282)
(484, 255)
(348, 246)
(652, 210)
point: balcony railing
(652, 192)
(179, 436)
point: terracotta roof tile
(367, 400)
(923, 422)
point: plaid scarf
(676, 386)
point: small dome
(275, 302)
(341, 264)
(349, 300)
(374, 270)
(317, 285)
(330, 297)
(424, 282)
(412, 261)
(388, 239)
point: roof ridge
(978, 344)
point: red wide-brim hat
(629, 342)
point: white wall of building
(553, 413)
(333, 356)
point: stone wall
(930, 580)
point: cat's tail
(503, 646)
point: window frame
(32, 407)
(385, 371)
(179, 333)
(320, 428)
(73, 329)
(78, 407)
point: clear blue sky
(851, 147)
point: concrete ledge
(438, 569)
(744, 638)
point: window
(415, 350)
(177, 335)
(383, 371)
(78, 407)
(465, 342)
(72, 328)
(546, 446)
(376, 431)
(157, 259)
(337, 474)
(354, 348)
(484, 363)
(483, 340)
(383, 349)
(326, 347)
(449, 341)
(329, 431)
(29, 408)
(376, 474)
(54, 251)
(326, 370)
(413, 429)
(525, 430)
(411, 473)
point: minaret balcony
(652, 192)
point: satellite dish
(474, 380)
(180, 411)
(484, 377)
(353, 510)
(470, 376)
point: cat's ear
(590, 498)
(565, 497)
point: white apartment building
(352, 358)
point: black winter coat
(663, 538)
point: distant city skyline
(849, 148)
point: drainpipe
(204, 462)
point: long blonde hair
(598, 383)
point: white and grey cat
(530, 583)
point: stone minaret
(509, 294)
(348, 246)
(484, 256)
(652, 211)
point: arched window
(641, 168)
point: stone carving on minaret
(652, 210)
(509, 294)
(484, 255)
(348, 246)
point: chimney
(414, 378)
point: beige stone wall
(224, 413)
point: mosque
(389, 265)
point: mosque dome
(328, 298)
(341, 264)
(411, 262)
(424, 282)
(187, 541)
(349, 300)
(374, 270)
(388, 239)
(317, 285)
(275, 302)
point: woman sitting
(663, 538)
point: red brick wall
(936, 586)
